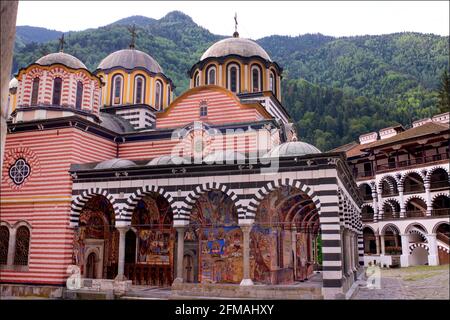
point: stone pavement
(422, 282)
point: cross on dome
(61, 43)
(132, 30)
(236, 33)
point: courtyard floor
(421, 282)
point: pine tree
(444, 93)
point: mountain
(28, 34)
(335, 88)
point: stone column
(121, 262)
(11, 246)
(433, 257)
(428, 197)
(180, 255)
(294, 249)
(380, 205)
(377, 243)
(375, 206)
(404, 258)
(8, 34)
(246, 281)
(383, 252)
(402, 203)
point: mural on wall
(97, 222)
(214, 225)
(152, 219)
(278, 224)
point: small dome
(294, 148)
(115, 123)
(130, 59)
(14, 83)
(63, 58)
(221, 156)
(167, 160)
(239, 46)
(115, 163)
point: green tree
(444, 93)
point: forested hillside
(335, 88)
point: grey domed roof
(13, 83)
(294, 148)
(115, 163)
(221, 156)
(130, 59)
(115, 123)
(240, 46)
(166, 160)
(63, 58)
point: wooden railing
(149, 274)
(412, 162)
(415, 214)
(440, 212)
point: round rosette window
(19, 171)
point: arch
(139, 89)
(388, 186)
(433, 169)
(233, 77)
(417, 225)
(413, 181)
(367, 212)
(366, 191)
(4, 243)
(196, 79)
(369, 227)
(418, 245)
(192, 197)
(256, 78)
(140, 193)
(22, 223)
(273, 82)
(390, 226)
(438, 224)
(211, 74)
(414, 202)
(440, 194)
(117, 89)
(272, 185)
(79, 201)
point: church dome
(167, 160)
(237, 46)
(115, 163)
(294, 148)
(63, 58)
(130, 59)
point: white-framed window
(158, 95)
(139, 89)
(196, 79)
(233, 78)
(272, 83)
(117, 89)
(203, 109)
(211, 75)
(256, 78)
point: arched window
(22, 246)
(4, 244)
(196, 79)
(256, 79)
(79, 99)
(139, 89)
(57, 90)
(35, 91)
(211, 75)
(233, 78)
(116, 93)
(273, 83)
(159, 95)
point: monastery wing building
(403, 177)
(106, 173)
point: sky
(256, 19)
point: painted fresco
(272, 253)
(97, 222)
(153, 222)
(214, 225)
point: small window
(22, 246)
(57, 86)
(256, 79)
(196, 79)
(233, 78)
(79, 98)
(203, 109)
(35, 91)
(4, 244)
(139, 89)
(212, 75)
(117, 90)
(158, 96)
(273, 83)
